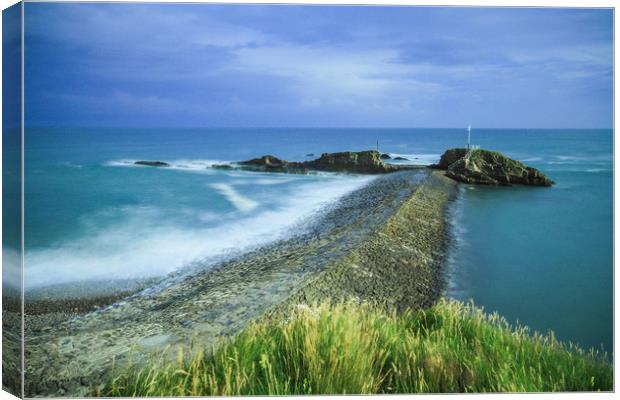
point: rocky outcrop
(265, 163)
(364, 162)
(222, 166)
(152, 163)
(450, 157)
(385, 156)
(359, 162)
(484, 167)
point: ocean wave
(11, 268)
(144, 245)
(563, 163)
(242, 203)
(581, 159)
(576, 169)
(196, 164)
(120, 163)
(73, 165)
(181, 164)
(263, 181)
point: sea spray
(146, 242)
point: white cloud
(326, 75)
(159, 29)
(579, 59)
(226, 65)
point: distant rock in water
(361, 162)
(364, 162)
(401, 159)
(310, 155)
(386, 156)
(486, 167)
(222, 166)
(265, 163)
(152, 163)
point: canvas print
(234, 199)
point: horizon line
(464, 127)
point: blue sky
(176, 65)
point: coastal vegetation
(358, 348)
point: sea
(538, 256)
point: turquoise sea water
(542, 256)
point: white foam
(144, 246)
(181, 164)
(196, 165)
(570, 158)
(265, 181)
(531, 159)
(242, 203)
(209, 216)
(121, 163)
(573, 159)
(11, 268)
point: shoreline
(385, 242)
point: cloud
(314, 65)
(327, 75)
(156, 28)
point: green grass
(350, 348)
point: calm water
(542, 256)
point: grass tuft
(361, 349)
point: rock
(267, 160)
(364, 162)
(486, 167)
(401, 159)
(450, 157)
(152, 163)
(265, 163)
(361, 162)
(385, 156)
(310, 155)
(222, 166)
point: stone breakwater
(384, 243)
(400, 265)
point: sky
(201, 65)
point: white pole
(468, 136)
